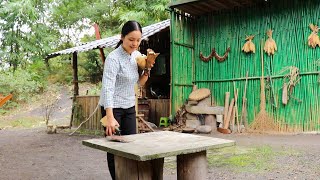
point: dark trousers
(127, 121)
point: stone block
(210, 120)
(204, 129)
(193, 102)
(192, 123)
(205, 102)
(219, 118)
(191, 116)
(204, 109)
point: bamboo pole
(226, 107)
(226, 125)
(244, 105)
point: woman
(117, 99)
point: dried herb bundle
(270, 46)
(313, 39)
(249, 46)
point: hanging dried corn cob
(270, 46)
(313, 39)
(249, 46)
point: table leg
(138, 170)
(192, 166)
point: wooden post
(96, 28)
(157, 169)
(138, 170)
(75, 73)
(75, 84)
(136, 87)
(226, 124)
(226, 107)
(192, 166)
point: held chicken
(146, 62)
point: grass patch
(242, 159)
(86, 132)
(288, 151)
(25, 122)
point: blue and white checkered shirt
(120, 74)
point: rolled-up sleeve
(110, 71)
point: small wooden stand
(142, 158)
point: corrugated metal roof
(112, 41)
(200, 7)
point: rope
(85, 120)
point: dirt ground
(31, 153)
(34, 154)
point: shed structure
(154, 101)
(200, 25)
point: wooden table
(143, 157)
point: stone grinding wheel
(199, 94)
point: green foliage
(31, 29)
(61, 70)
(39, 70)
(96, 90)
(25, 36)
(92, 64)
(109, 14)
(22, 84)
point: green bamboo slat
(289, 20)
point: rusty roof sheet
(112, 41)
(200, 7)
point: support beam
(138, 170)
(75, 73)
(97, 31)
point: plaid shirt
(120, 74)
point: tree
(26, 36)
(109, 14)
(31, 29)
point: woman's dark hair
(128, 27)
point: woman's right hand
(111, 125)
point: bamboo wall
(290, 20)
(182, 55)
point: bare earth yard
(34, 154)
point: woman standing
(120, 74)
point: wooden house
(291, 75)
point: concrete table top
(154, 145)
